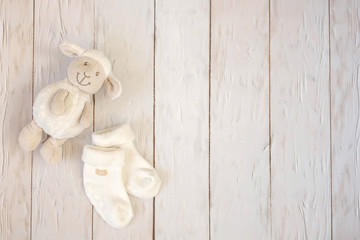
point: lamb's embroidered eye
(97, 73)
(86, 63)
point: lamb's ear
(113, 86)
(71, 49)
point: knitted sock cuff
(114, 136)
(103, 157)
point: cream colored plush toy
(63, 109)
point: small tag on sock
(101, 172)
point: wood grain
(61, 209)
(300, 120)
(239, 157)
(181, 118)
(125, 32)
(15, 112)
(345, 82)
(277, 156)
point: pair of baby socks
(112, 169)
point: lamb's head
(90, 70)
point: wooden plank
(182, 118)
(61, 209)
(239, 157)
(345, 82)
(300, 120)
(16, 51)
(125, 32)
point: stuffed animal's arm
(58, 102)
(86, 115)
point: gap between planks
(154, 98)
(269, 109)
(32, 103)
(93, 123)
(330, 125)
(209, 146)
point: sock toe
(144, 183)
(121, 213)
(123, 217)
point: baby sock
(103, 182)
(141, 179)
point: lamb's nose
(86, 76)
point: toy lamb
(63, 109)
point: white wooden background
(249, 109)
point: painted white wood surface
(182, 118)
(239, 177)
(263, 154)
(300, 120)
(345, 99)
(16, 29)
(125, 32)
(60, 209)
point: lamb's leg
(51, 150)
(30, 136)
